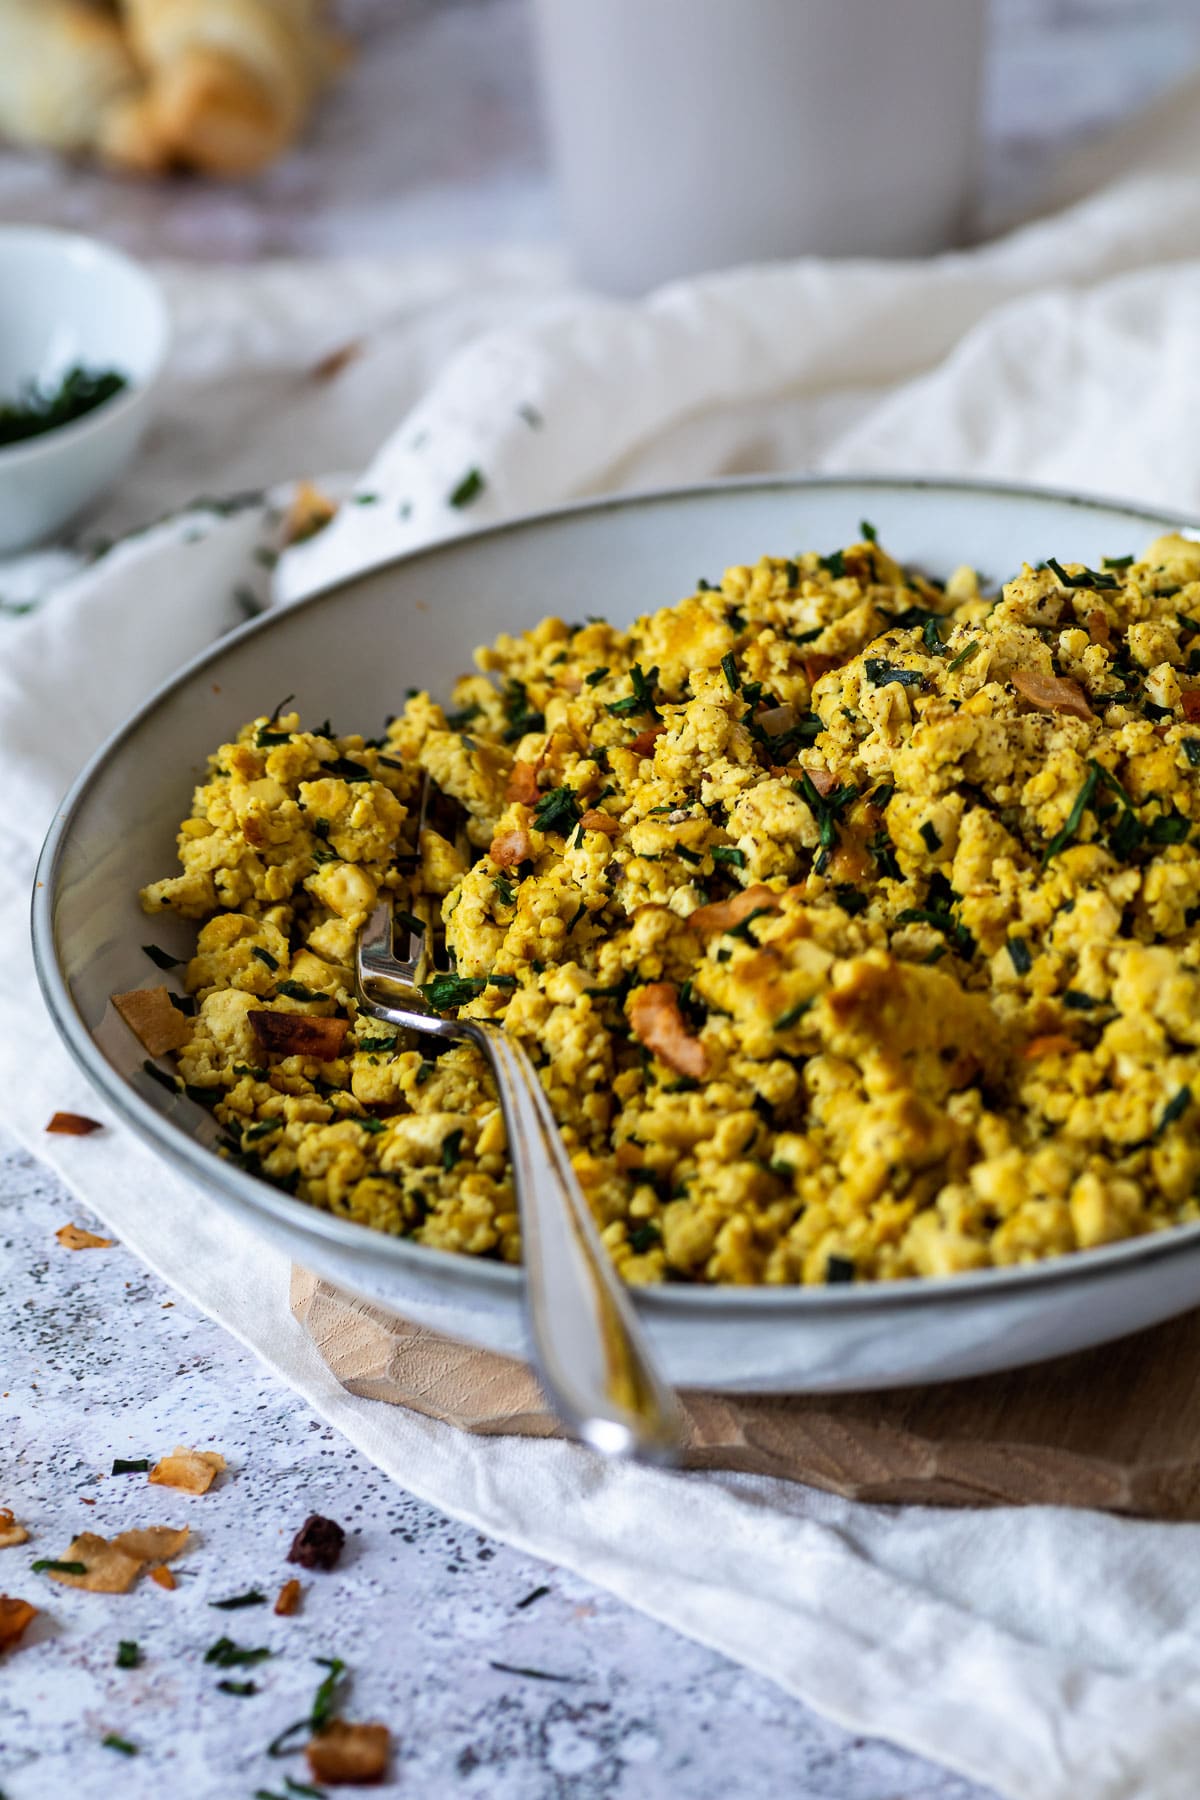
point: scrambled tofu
(851, 920)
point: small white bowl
(66, 299)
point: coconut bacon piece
(74, 1237)
(299, 1034)
(1052, 693)
(158, 1025)
(15, 1616)
(68, 1124)
(349, 1755)
(523, 784)
(508, 848)
(658, 1023)
(723, 915)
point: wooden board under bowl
(1116, 1428)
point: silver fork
(589, 1350)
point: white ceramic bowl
(66, 299)
(350, 653)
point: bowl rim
(247, 1191)
(73, 245)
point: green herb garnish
(539, 1593)
(264, 956)
(558, 810)
(533, 1674)
(47, 1564)
(642, 698)
(792, 1016)
(162, 958)
(931, 839)
(39, 409)
(595, 677)
(1074, 819)
(242, 1688)
(504, 887)
(296, 990)
(113, 1742)
(834, 563)
(228, 1655)
(1174, 1110)
(130, 1465)
(880, 673)
(129, 1654)
(451, 1150)
(468, 489)
(1088, 579)
(728, 853)
(1019, 955)
(452, 990)
(839, 1269)
(252, 1598)
(1081, 1002)
(965, 655)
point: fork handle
(587, 1343)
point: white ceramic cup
(696, 134)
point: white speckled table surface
(96, 1358)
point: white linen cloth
(1048, 1654)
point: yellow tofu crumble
(850, 919)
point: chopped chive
(451, 1150)
(1174, 1110)
(539, 1593)
(252, 1598)
(409, 921)
(468, 489)
(452, 990)
(502, 981)
(929, 834)
(729, 853)
(266, 740)
(130, 1465)
(228, 1655)
(1118, 562)
(964, 655)
(162, 958)
(1081, 1002)
(880, 673)
(742, 928)
(791, 573)
(504, 889)
(1074, 819)
(113, 1742)
(792, 1016)
(729, 669)
(533, 1674)
(264, 956)
(47, 1564)
(296, 990)
(1191, 749)
(834, 563)
(557, 810)
(839, 1269)
(242, 1688)
(595, 677)
(1019, 955)
(868, 531)
(129, 1654)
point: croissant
(229, 83)
(67, 78)
(222, 86)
